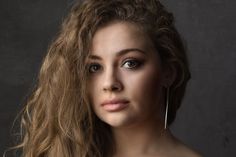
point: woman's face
(125, 76)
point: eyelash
(92, 65)
(133, 61)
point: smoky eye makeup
(129, 61)
(132, 63)
(133, 60)
(93, 67)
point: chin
(118, 121)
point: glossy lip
(115, 104)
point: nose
(111, 81)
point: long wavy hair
(57, 119)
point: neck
(145, 139)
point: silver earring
(167, 106)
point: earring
(167, 106)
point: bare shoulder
(182, 150)
(185, 151)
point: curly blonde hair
(57, 120)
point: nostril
(111, 81)
(114, 87)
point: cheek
(93, 90)
(145, 86)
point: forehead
(119, 35)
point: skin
(124, 64)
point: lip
(115, 104)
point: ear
(169, 74)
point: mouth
(115, 105)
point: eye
(131, 64)
(94, 67)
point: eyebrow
(119, 53)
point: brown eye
(130, 64)
(94, 68)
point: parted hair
(57, 119)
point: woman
(110, 85)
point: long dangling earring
(167, 106)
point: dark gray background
(206, 121)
